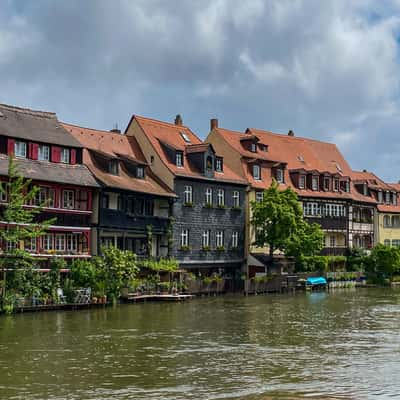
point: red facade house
(46, 153)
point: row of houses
(159, 190)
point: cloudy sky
(326, 69)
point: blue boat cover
(318, 280)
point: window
(312, 209)
(3, 192)
(395, 243)
(302, 182)
(259, 197)
(20, 149)
(188, 195)
(386, 221)
(386, 242)
(219, 239)
(254, 147)
(43, 153)
(365, 189)
(279, 175)
(44, 197)
(209, 163)
(60, 242)
(380, 197)
(72, 242)
(107, 241)
(315, 183)
(82, 200)
(68, 199)
(179, 159)
(209, 195)
(105, 201)
(30, 245)
(218, 164)
(185, 137)
(235, 239)
(47, 242)
(347, 187)
(184, 238)
(256, 172)
(205, 239)
(387, 197)
(394, 198)
(236, 198)
(336, 185)
(326, 183)
(65, 156)
(140, 172)
(113, 167)
(149, 207)
(263, 147)
(221, 197)
(334, 210)
(332, 241)
(11, 245)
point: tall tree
(279, 224)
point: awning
(318, 280)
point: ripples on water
(343, 344)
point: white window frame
(68, 202)
(48, 242)
(20, 149)
(315, 183)
(332, 241)
(205, 238)
(235, 239)
(11, 245)
(209, 196)
(179, 159)
(65, 156)
(30, 245)
(302, 182)
(60, 242)
(336, 185)
(279, 175)
(254, 147)
(43, 152)
(188, 194)
(259, 197)
(140, 172)
(72, 242)
(218, 164)
(236, 198)
(380, 196)
(257, 172)
(184, 237)
(221, 197)
(219, 239)
(387, 197)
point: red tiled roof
(373, 181)
(159, 132)
(120, 146)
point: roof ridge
(94, 129)
(163, 122)
(48, 114)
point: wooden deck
(135, 298)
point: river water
(343, 344)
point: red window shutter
(30, 150)
(35, 151)
(11, 147)
(73, 156)
(55, 154)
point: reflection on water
(343, 344)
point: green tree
(20, 224)
(279, 224)
(383, 262)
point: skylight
(185, 137)
(300, 158)
(339, 168)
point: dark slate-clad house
(46, 153)
(209, 212)
(133, 205)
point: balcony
(334, 251)
(137, 223)
(329, 222)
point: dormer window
(326, 183)
(256, 172)
(380, 197)
(218, 164)
(113, 167)
(65, 156)
(209, 163)
(387, 197)
(302, 182)
(20, 149)
(314, 183)
(394, 198)
(336, 185)
(279, 175)
(347, 186)
(179, 159)
(43, 153)
(185, 137)
(365, 189)
(263, 147)
(140, 172)
(254, 147)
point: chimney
(213, 123)
(290, 133)
(364, 170)
(178, 120)
(115, 129)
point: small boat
(316, 283)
